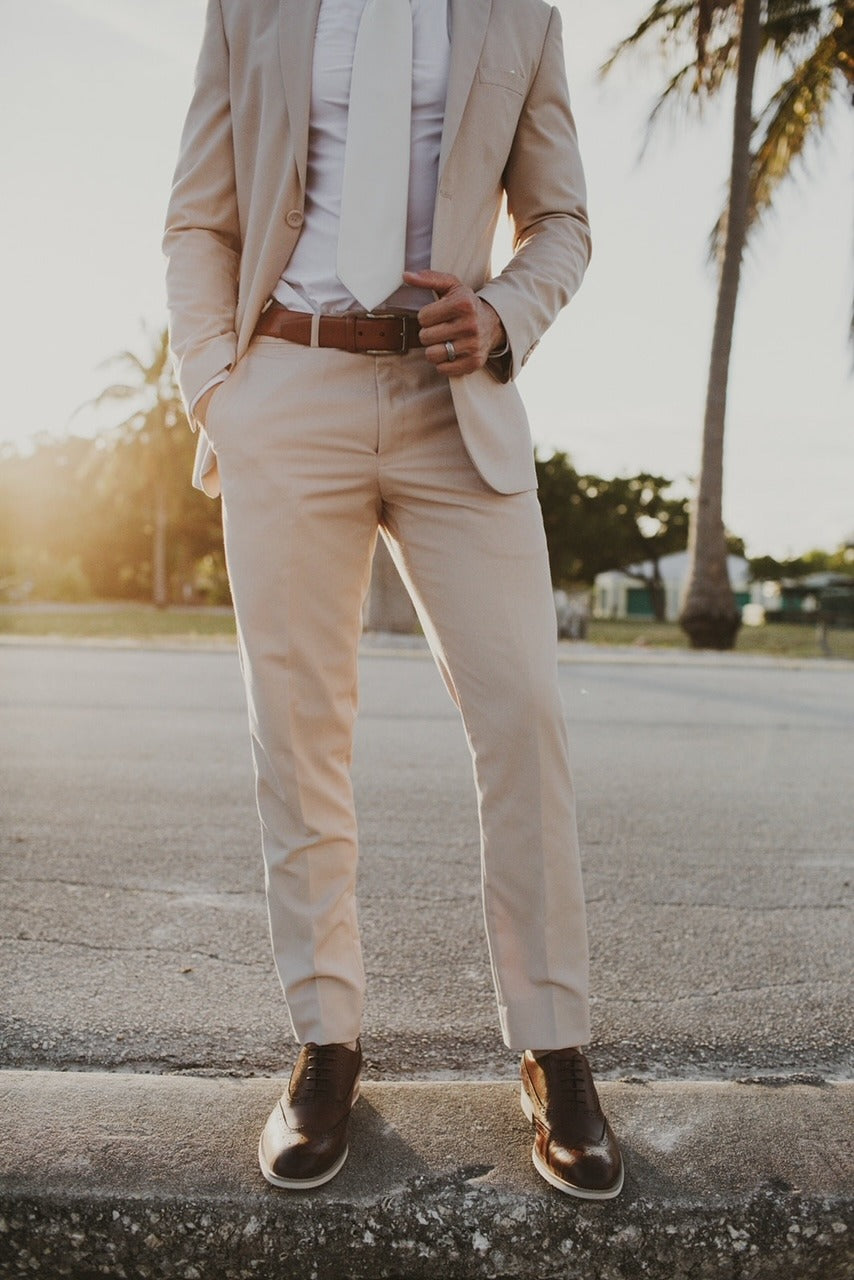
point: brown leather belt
(370, 333)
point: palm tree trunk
(709, 614)
(159, 572)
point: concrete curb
(155, 1176)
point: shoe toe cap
(593, 1168)
(292, 1154)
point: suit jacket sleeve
(546, 201)
(202, 238)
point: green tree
(725, 38)
(76, 520)
(143, 469)
(44, 502)
(656, 525)
(769, 568)
(561, 502)
(593, 524)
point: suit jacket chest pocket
(492, 114)
(503, 77)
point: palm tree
(709, 614)
(728, 37)
(818, 43)
(150, 431)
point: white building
(618, 595)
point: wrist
(499, 343)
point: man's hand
(458, 316)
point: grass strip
(141, 622)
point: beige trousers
(318, 450)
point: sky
(92, 99)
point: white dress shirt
(309, 281)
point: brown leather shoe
(574, 1147)
(304, 1142)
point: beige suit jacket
(237, 202)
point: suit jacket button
(294, 218)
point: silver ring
(451, 352)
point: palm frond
(797, 12)
(844, 32)
(685, 93)
(128, 359)
(665, 19)
(708, 13)
(681, 93)
(791, 31)
(817, 41)
(118, 391)
(795, 114)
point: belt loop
(315, 329)
(350, 330)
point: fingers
(452, 318)
(461, 328)
(455, 300)
(454, 346)
(462, 364)
(457, 317)
(456, 311)
(438, 281)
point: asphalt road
(716, 814)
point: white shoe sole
(566, 1187)
(301, 1184)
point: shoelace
(571, 1080)
(316, 1078)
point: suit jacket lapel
(297, 24)
(469, 20)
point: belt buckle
(389, 315)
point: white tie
(372, 231)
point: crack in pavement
(164, 951)
(724, 991)
(112, 887)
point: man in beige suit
(324, 418)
